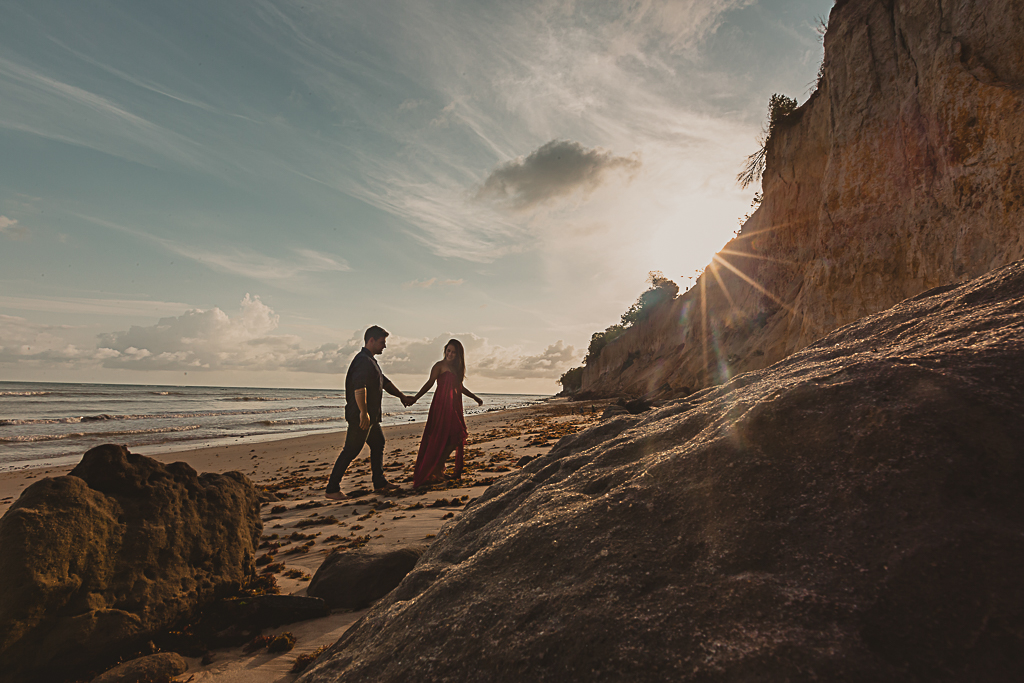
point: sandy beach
(302, 526)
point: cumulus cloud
(427, 284)
(201, 340)
(11, 228)
(22, 341)
(556, 169)
(206, 340)
(417, 356)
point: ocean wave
(299, 421)
(41, 421)
(25, 393)
(283, 398)
(80, 435)
(104, 417)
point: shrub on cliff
(571, 380)
(779, 107)
(599, 340)
(661, 289)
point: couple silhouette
(444, 433)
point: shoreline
(292, 473)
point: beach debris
(355, 579)
(115, 552)
(306, 659)
(316, 521)
(282, 642)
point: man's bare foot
(336, 495)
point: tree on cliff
(779, 107)
(661, 289)
(571, 380)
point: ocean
(46, 423)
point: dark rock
(354, 579)
(851, 513)
(524, 461)
(158, 668)
(613, 411)
(99, 561)
(226, 623)
(267, 497)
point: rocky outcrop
(158, 668)
(355, 579)
(98, 561)
(851, 513)
(903, 171)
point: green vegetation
(661, 289)
(571, 380)
(779, 107)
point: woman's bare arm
(435, 372)
(467, 392)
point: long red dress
(446, 427)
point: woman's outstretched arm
(467, 392)
(435, 372)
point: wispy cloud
(35, 103)
(80, 305)
(12, 229)
(557, 169)
(427, 284)
(240, 260)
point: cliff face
(903, 172)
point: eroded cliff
(902, 172)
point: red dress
(445, 427)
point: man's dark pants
(354, 440)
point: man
(365, 385)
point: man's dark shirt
(364, 373)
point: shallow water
(51, 423)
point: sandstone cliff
(902, 172)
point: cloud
(243, 261)
(22, 341)
(556, 169)
(80, 305)
(427, 284)
(11, 228)
(210, 340)
(207, 340)
(483, 359)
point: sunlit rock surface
(851, 513)
(903, 172)
(101, 559)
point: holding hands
(408, 400)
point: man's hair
(374, 332)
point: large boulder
(355, 579)
(96, 562)
(158, 668)
(851, 513)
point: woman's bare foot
(336, 495)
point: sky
(228, 193)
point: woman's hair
(460, 358)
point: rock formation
(101, 559)
(158, 668)
(355, 579)
(851, 513)
(903, 171)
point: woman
(446, 427)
